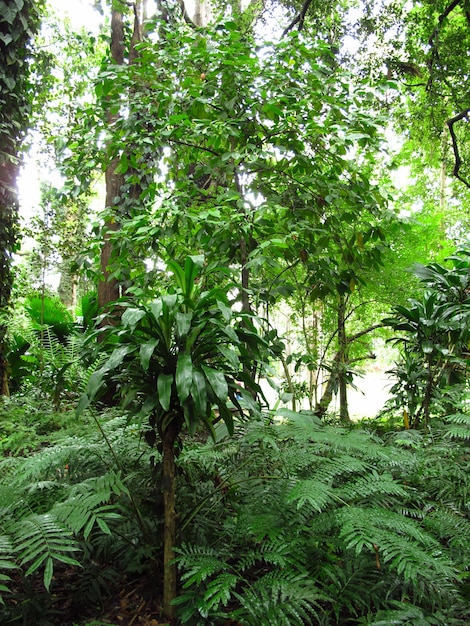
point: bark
(8, 218)
(108, 288)
(169, 533)
(202, 13)
(327, 396)
(343, 346)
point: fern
(281, 598)
(7, 563)
(42, 539)
(89, 504)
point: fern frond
(284, 599)
(373, 484)
(458, 432)
(199, 563)
(7, 563)
(219, 591)
(40, 540)
(404, 614)
(89, 504)
(407, 549)
(316, 494)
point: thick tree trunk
(108, 288)
(169, 532)
(8, 221)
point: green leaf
(123, 165)
(146, 351)
(199, 392)
(48, 571)
(164, 385)
(130, 317)
(217, 381)
(184, 376)
(94, 385)
(183, 323)
(226, 311)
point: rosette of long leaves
(182, 360)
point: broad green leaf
(156, 308)
(230, 356)
(199, 392)
(191, 422)
(146, 351)
(183, 323)
(94, 385)
(178, 273)
(83, 404)
(117, 357)
(184, 376)
(150, 403)
(227, 416)
(226, 310)
(164, 385)
(130, 317)
(428, 347)
(217, 381)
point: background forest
(214, 218)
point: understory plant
(308, 523)
(434, 339)
(178, 363)
(289, 521)
(74, 516)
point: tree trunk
(343, 346)
(327, 396)
(108, 288)
(169, 533)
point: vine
(19, 20)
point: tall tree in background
(19, 20)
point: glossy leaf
(164, 388)
(184, 376)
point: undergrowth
(291, 521)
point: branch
(457, 160)
(299, 18)
(453, 5)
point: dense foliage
(242, 193)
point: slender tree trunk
(169, 533)
(327, 396)
(343, 346)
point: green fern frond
(458, 432)
(219, 591)
(89, 504)
(340, 466)
(373, 484)
(399, 542)
(284, 599)
(39, 541)
(314, 493)
(198, 563)
(7, 563)
(404, 615)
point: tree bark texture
(169, 534)
(108, 288)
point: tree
(174, 360)
(18, 21)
